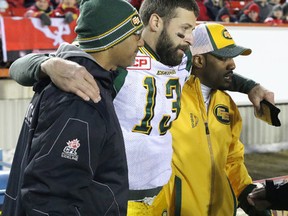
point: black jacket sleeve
(277, 195)
(249, 209)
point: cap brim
(231, 51)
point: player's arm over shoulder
(27, 69)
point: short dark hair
(165, 8)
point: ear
(155, 23)
(198, 61)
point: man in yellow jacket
(209, 176)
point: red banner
(18, 33)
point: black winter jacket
(277, 195)
(70, 157)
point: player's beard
(167, 51)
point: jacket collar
(146, 49)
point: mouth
(181, 51)
(183, 48)
(228, 76)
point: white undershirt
(206, 95)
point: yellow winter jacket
(208, 159)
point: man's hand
(72, 77)
(249, 205)
(259, 93)
(45, 19)
(68, 17)
(257, 198)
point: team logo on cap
(135, 20)
(226, 34)
(165, 213)
(221, 113)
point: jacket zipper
(212, 168)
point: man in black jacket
(272, 196)
(70, 157)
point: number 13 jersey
(147, 101)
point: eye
(220, 58)
(138, 34)
(185, 28)
(182, 36)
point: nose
(140, 42)
(189, 39)
(231, 65)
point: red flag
(30, 34)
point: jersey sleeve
(242, 84)
(26, 70)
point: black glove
(276, 194)
(68, 17)
(249, 209)
(45, 19)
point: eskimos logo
(226, 34)
(221, 113)
(135, 20)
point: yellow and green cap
(105, 23)
(214, 38)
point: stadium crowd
(272, 12)
(43, 9)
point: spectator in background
(203, 14)
(42, 10)
(3, 5)
(265, 9)
(276, 16)
(29, 3)
(67, 9)
(251, 15)
(274, 2)
(225, 16)
(213, 7)
(55, 3)
(285, 13)
(136, 3)
(15, 3)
